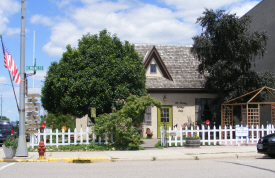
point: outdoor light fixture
(164, 98)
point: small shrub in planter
(192, 141)
(10, 146)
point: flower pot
(9, 152)
(193, 142)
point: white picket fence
(213, 136)
(78, 138)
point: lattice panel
(244, 115)
(272, 114)
(253, 117)
(227, 116)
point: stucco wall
(82, 122)
(183, 107)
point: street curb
(68, 160)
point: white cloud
(63, 33)
(142, 24)
(133, 21)
(242, 9)
(40, 75)
(5, 12)
(40, 19)
(3, 81)
(9, 7)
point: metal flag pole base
(22, 150)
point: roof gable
(180, 64)
(153, 54)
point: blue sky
(58, 23)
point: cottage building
(172, 77)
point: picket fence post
(69, 136)
(93, 135)
(56, 136)
(181, 142)
(208, 132)
(63, 138)
(252, 133)
(32, 140)
(176, 137)
(257, 128)
(38, 136)
(214, 130)
(106, 139)
(87, 135)
(262, 130)
(203, 135)
(81, 136)
(51, 136)
(75, 136)
(170, 136)
(231, 134)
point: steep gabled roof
(153, 54)
(179, 67)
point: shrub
(124, 123)
(11, 142)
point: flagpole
(22, 149)
(14, 92)
(33, 61)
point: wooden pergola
(250, 111)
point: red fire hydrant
(41, 149)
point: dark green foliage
(124, 123)
(61, 120)
(95, 74)
(226, 50)
(11, 142)
(4, 118)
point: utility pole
(22, 149)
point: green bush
(124, 123)
(11, 142)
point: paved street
(247, 167)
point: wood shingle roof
(180, 64)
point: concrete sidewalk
(174, 153)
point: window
(148, 120)
(153, 68)
(203, 109)
(165, 115)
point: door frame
(170, 107)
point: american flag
(10, 65)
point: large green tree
(226, 50)
(97, 73)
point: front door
(164, 118)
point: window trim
(151, 68)
(148, 117)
